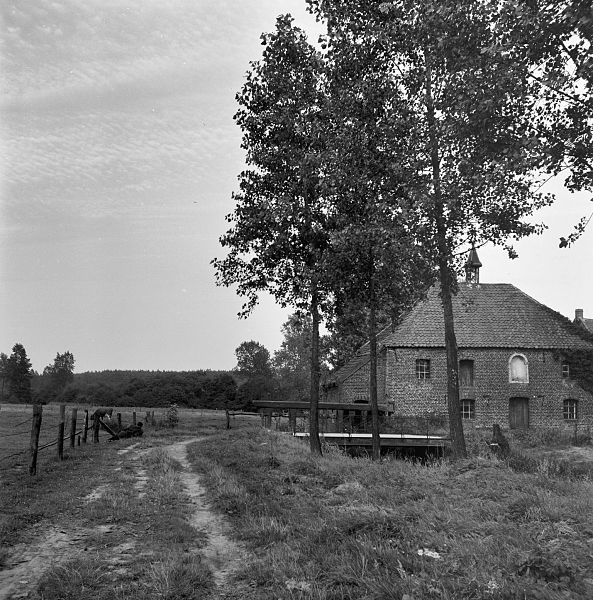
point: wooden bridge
(349, 426)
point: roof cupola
(472, 267)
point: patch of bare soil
(26, 563)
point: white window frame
(468, 409)
(524, 358)
(423, 375)
(570, 409)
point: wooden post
(79, 439)
(73, 427)
(61, 425)
(134, 418)
(340, 421)
(96, 425)
(268, 418)
(228, 419)
(292, 419)
(119, 420)
(86, 426)
(35, 428)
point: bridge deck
(388, 440)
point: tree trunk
(458, 449)
(315, 375)
(373, 375)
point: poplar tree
(465, 155)
(553, 39)
(279, 227)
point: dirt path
(26, 563)
(221, 553)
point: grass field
(324, 528)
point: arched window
(518, 369)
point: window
(569, 410)
(466, 373)
(518, 369)
(468, 409)
(422, 369)
(565, 371)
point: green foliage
(255, 369)
(172, 419)
(292, 361)
(57, 375)
(553, 40)
(279, 225)
(192, 389)
(253, 360)
(581, 367)
(19, 374)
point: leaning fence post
(35, 428)
(86, 426)
(61, 425)
(73, 427)
(96, 426)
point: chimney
(578, 315)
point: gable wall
(546, 389)
(356, 387)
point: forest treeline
(193, 389)
(257, 376)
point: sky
(118, 159)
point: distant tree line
(258, 375)
(192, 389)
(19, 383)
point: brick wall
(356, 387)
(406, 395)
(546, 390)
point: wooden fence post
(35, 428)
(134, 418)
(73, 427)
(228, 419)
(340, 421)
(61, 426)
(96, 425)
(292, 419)
(119, 420)
(86, 426)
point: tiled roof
(360, 359)
(589, 324)
(494, 315)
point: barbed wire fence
(76, 432)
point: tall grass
(337, 527)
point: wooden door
(519, 413)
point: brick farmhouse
(512, 364)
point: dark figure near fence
(499, 444)
(102, 413)
(129, 431)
